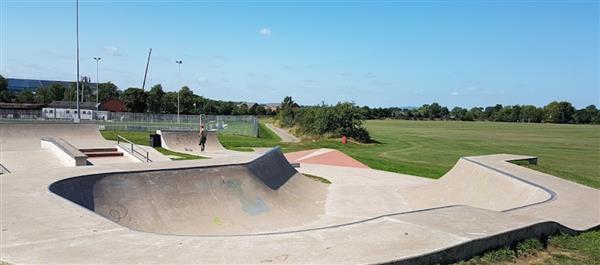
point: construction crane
(146, 72)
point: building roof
(73, 105)
(248, 104)
(27, 106)
(272, 105)
(19, 84)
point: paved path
(284, 134)
(324, 156)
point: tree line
(553, 112)
(155, 100)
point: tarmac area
(255, 207)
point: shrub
(324, 120)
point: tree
(475, 113)
(70, 93)
(169, 103)
(5, 95)
(586, 115)
(134, 99)
(186, 100)
(44, 95)
(530, 113)
(559, 112)
(435, 110)
(25, 96)
(3, 84)
(154, 100)
(458, 113)
(108, 91)
(287, 112)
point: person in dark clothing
(202, 135)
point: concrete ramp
(266, 194)
(26, 136)
(474, 184)
(187, 142)
(21, 148)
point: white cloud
(454, 93)
(265, 32)
(112, 50)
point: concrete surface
(20, 148)
(284, 134)
(224, 200)
(222, 210)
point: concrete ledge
(66, 152)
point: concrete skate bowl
(187, 141)
(261, 196)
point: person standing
(202, 135)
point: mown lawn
(431, 148)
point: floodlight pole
(97, 59)
(178, 85)
(77, 40)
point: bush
(326, 121)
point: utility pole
(97, 59)
(178, 86)
(78, 119)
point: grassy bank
(582, 249)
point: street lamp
(97, 59)
(77, 120)
(178, 85)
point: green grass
(141, 138)
(561, 250)
(178, 155)
(266, 138)
(431, 148)
(317, 178)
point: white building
(67, 110)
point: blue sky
(376, 53)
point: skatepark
(259, 207)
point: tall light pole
(97, 59)
(178, 85)
(77, 120)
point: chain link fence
(125, 121)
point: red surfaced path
(330, 157)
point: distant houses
(272, 107)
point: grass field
(431, 148)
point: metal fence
(126, 121)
